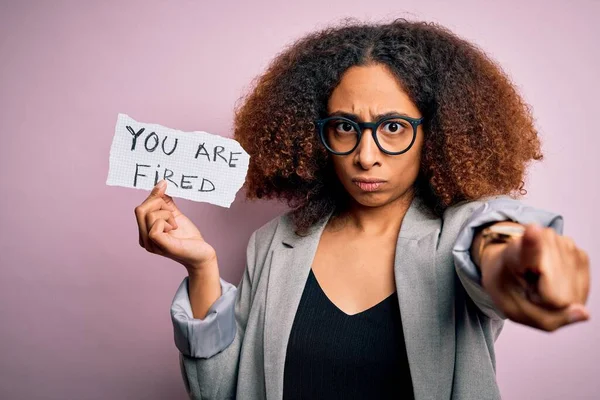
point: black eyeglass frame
(374, 126)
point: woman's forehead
(368, 91)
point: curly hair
(479, 132)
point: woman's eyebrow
(356, 118)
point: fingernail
(162, 183)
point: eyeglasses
(393, 135)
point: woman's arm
(540, 279)
(494, 288)
(210, 347)
(467, 218)
(207, 336)
(204, 288)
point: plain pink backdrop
(84, 310)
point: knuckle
(151, 218)
(153, 234)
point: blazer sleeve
(209, 348)
(477, 213)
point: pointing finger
(531, 248)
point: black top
(333, 355)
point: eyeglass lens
(394, 135)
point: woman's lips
(368, 186)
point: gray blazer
(450, 323)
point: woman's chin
(374, 199)
(371, 199)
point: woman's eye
(345, 127)
(394, 127)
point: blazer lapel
(421, 288)
(417, 290)
(290, 266)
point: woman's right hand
(164, 230)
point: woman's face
(366, 92)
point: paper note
(197, 165)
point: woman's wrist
(489, 235)
(491, 249)
(203, 267)
(204, 289)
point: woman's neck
(376, 221)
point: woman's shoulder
(265, 235)
(457, 216)
(464, 209)
(499, 208)
(282, 230)
(263, 240)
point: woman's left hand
(541, 279)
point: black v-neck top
(333, 355)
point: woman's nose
(367, 151)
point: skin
(352, 275)
(558, 298)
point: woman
(397, 146)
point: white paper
(197, 165)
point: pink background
(84, 310)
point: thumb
(160, 191)
(531, 248)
